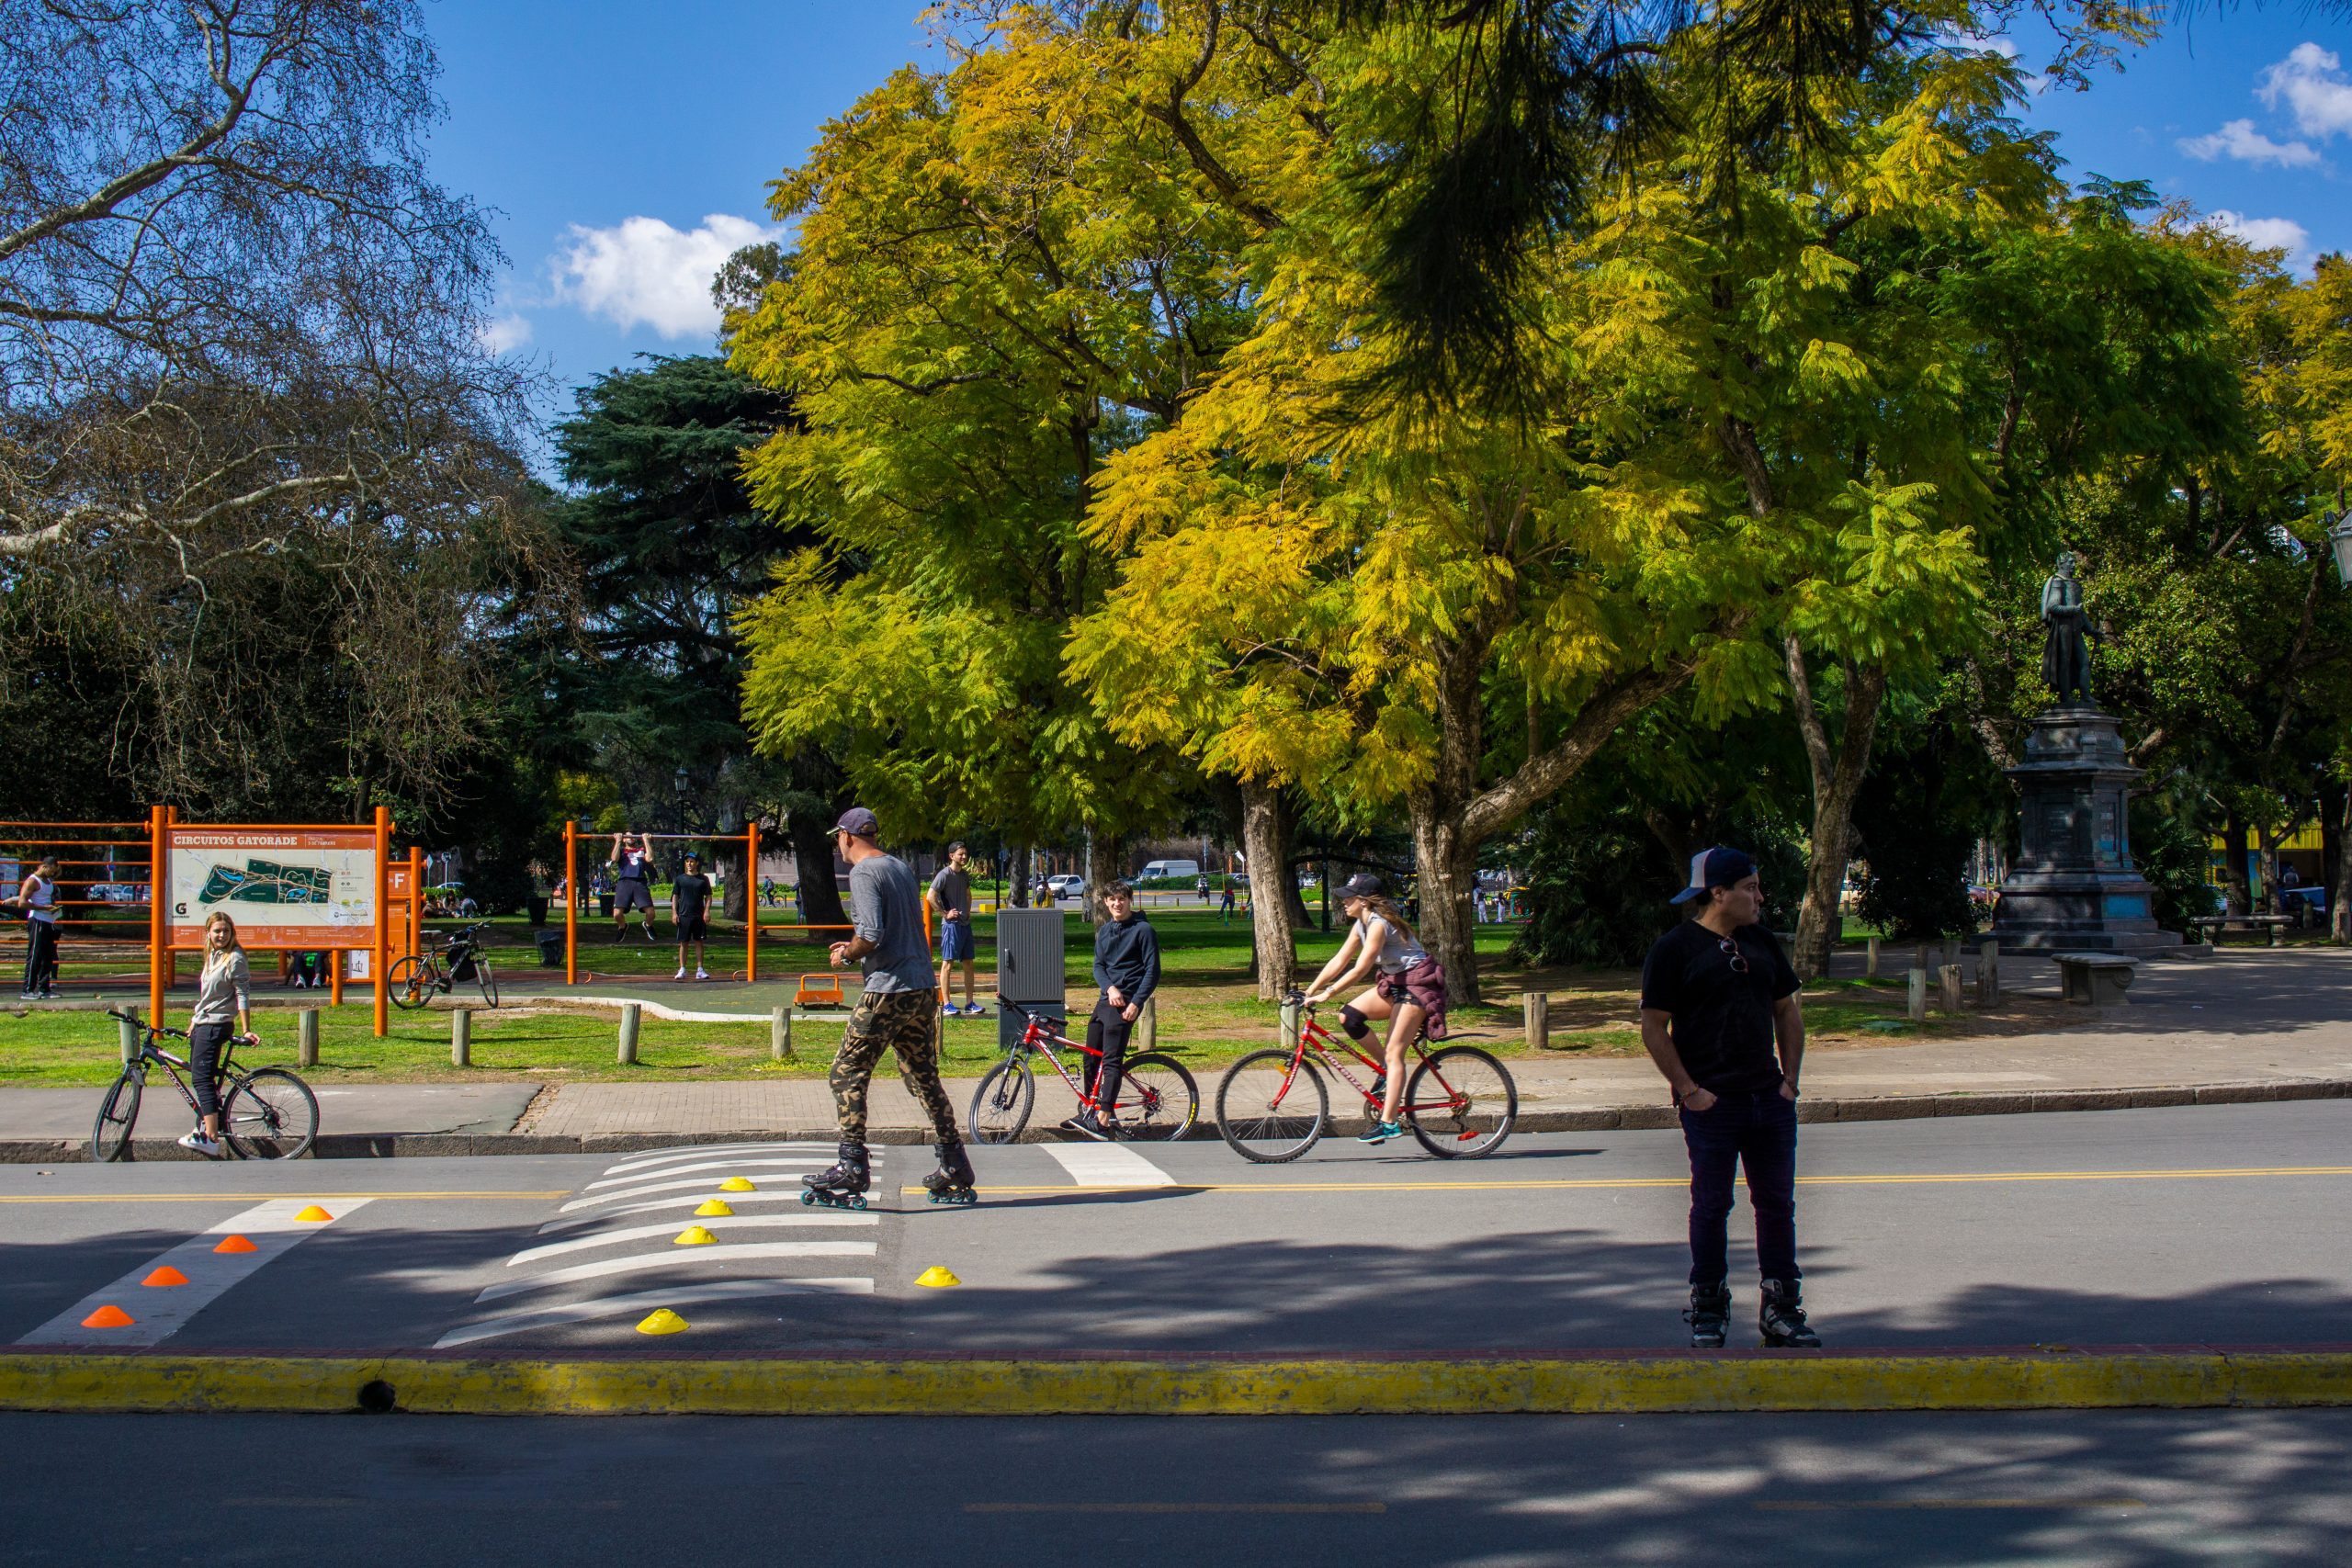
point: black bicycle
(450, 961)
(268, 1113)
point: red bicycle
(1272, 1106)
(1158, 1100)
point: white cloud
(2266, 234)
(643, 272)
(2312, 81)
(2240, 141)
(504, 334)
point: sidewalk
(2245, 1024)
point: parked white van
(1179, 868)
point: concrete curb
(1889, 1108)
(1626, 1383)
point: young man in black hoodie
(1126, 965)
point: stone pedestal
(2073, 888)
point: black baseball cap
(1717, 867)
(859, 822)
(1362, 884)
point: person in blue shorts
(950, 906)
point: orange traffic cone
(166, 1275)
(108, 1316)
(235, 1243)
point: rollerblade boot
(843, 1187)
(1709, 1316)
(952, 1182)
(1780, 1317)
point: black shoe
(1085, 1126)
(1708, 1317)
(1780, 1317)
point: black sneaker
(1085, 1126)
(1780, 1317)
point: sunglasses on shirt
(1730, 951)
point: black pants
(1106, 1031)
(41, 955)
(204, 1042)
(1757, 1129)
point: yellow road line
(1624, 1384)
(248, 1197)
(1953, 1178)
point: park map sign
(284, 888)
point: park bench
(2095, 979)
(2210, 927)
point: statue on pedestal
(2065, 655)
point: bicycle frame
(151, 1051)
(1313, 1036)
(1036, 1039)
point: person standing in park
(36, 897)
(1126, 968)
(894, 1012)
(951, 902)
(223, 997)
(690, 913)
(632, 864)
(1718, 996)
(1225, 903)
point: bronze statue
(2065, 655)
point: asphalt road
(2114, 1487)
(2206, 1224)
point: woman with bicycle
(1409, 992)
(223, 997)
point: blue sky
(626, 150)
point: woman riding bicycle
(1409, 993)
(223, 997)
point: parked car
(1066, 886)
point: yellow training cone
(937, 1278)
(736, 1184)
(315, 1216)
(711, 1210)
(662, 1322)
(693, 1236)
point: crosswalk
(614, 1252)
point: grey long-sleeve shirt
(223, 992)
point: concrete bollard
(1290, 1025)
(1539, 1020)
(1951, 950)
(1869, 964)
(1918, 999)
(780, 1034)
(1989, 974)
(1950, 978)
(306, 1037)
(461, 1037)
(630, 1013)
(127, 1035)
(1920, 957)
(1148, 1024)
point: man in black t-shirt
(1720, 1019)
(689, 911)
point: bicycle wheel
(488, 982)
(413, 981)
(1460, 1103)
(269, 1114)
(110, 1138)
(1267, 1112)
(1000, 1105)
(1159, 1102)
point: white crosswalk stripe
(676, 1257)
(708, 1184)
(689, 1202)
(807, 1163)
(647, 1301)
(1107, 1165)
(645, 1159)
(820, 1217)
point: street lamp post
(2339, 539)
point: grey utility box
(1029, 962)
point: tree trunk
(2234, 879)
(1016, 892)
(1106, 862)
(2272, 904)
(2339, 893)
(1265, 840)
(1837, 778)
(1447, 861)
(819, 895)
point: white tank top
(41, 904)
(1394, 950)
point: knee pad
(1352, 1022)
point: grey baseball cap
(858, 822)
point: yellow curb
(1174, 1386)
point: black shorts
(694, 927)
(632, 895)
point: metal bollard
(306, 1037)
(461, 1037)
(1950, 978)
(127, 1032)
(1918, 999)
(1869, 968)
(630, 1012)
(1539, 1020)
(780, 1033)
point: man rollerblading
(843, 1187)
(1780, 1317)
(897, 1009)
(952, 1182)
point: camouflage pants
(904, 1021)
